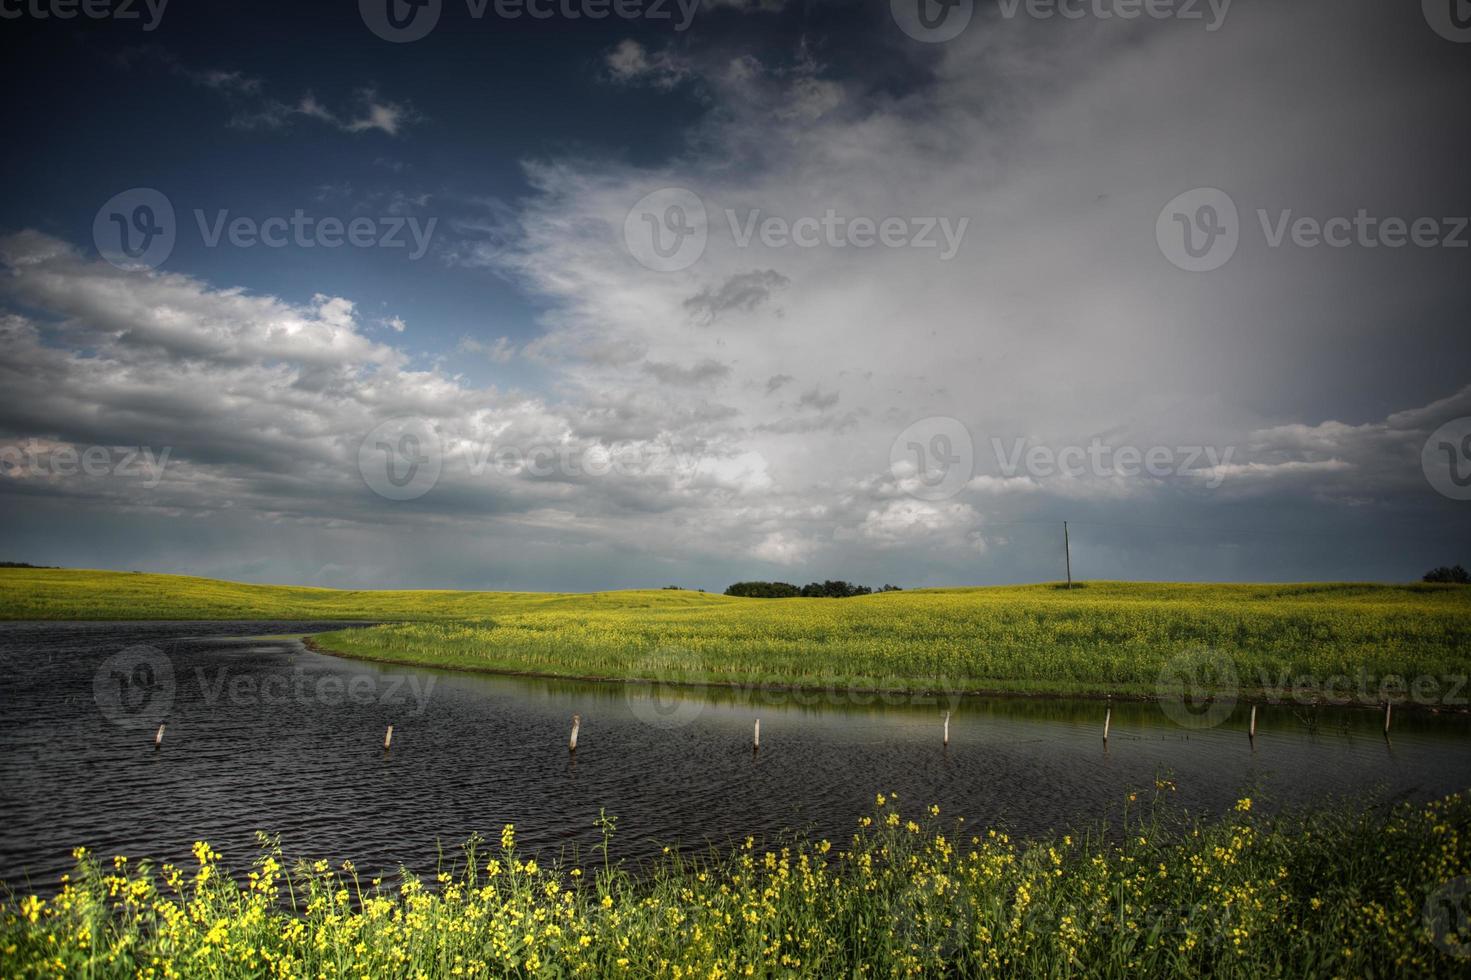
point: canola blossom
(1339, 892)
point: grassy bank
(1116, 638)
(1334, 893)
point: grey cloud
(744, 292)
(696, 374)
(818, 399)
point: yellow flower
(1243, 804)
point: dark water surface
(265, 735)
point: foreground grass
(1117, 638)
(1333, 893)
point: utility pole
(1068, 554)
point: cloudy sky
(391, 295)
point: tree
(830, 589)
(764, 590)
(1453, 576)
(833, 589)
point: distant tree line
(831, 589)
(1456, 575)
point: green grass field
(1105, 637)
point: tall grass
(1338, 892)
(1107, 638)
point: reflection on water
(265, 735)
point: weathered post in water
(947, 728)
(1251, 732)
(388, 738)
(1388, 708)
(158, 736)
(756, 736)
(1107, 718)
(576, 724)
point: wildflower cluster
(1338, 892)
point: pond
(264, 735)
